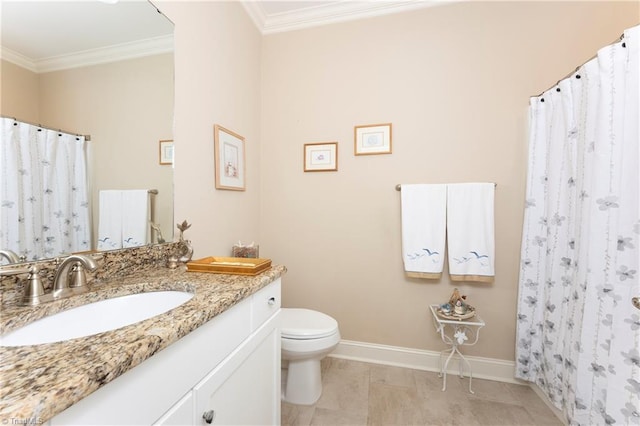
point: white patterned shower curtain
(578, 334)
(43, 191)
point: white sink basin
(94, 318)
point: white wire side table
(455, 333)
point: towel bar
(399, 186)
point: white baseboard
(483, 368)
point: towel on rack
(423, 229)
(470, 231)
(123, 219)
(135, 218)
(110, 220)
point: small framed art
(321, 157)
(166, 152)
(373, 139)
(229, 159)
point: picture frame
(229, 156)
(321, 157)
(372, 139)
(166, 152)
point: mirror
(103, 69)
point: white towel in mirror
(123, 219)
(110, 220)
(135, 218)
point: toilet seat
(304, 324)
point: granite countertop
(37, 382)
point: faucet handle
(77, 276)
(33, 290)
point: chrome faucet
(11, 256)
(72, 266)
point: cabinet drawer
(265, 303)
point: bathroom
(454, 79)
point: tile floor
(358, 393)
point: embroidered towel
(470, 231)
(110, 220)
(423, 229)
(135, 218)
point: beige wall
(455, 82)
(19, 92)
(217, 52)
(127, 108)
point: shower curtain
(43, 191)
(578, 334)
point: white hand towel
(135, 218)
(110, 220)
(423, 229)
(470, 231)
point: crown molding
(256, 13)
(120, 52)
(18, 59)
(330, 13)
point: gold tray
(229, 265)
(471, 312)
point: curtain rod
(399, 186)
(86, 137)
(580, 66)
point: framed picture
(229, 159)
(166, 152)
(321, 157)
(373, 139)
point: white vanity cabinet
(229, 368)
(240, 390)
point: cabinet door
(180, 414)
(245, 388)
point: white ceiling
(273, 16)
(54, 26)
(49, 35)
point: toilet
(307, 337)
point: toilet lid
(306, 324)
